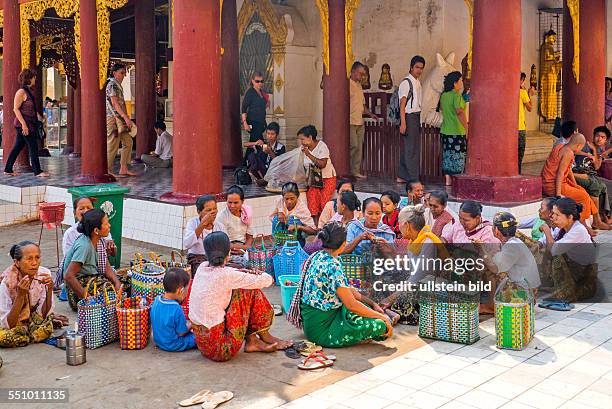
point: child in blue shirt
(171, 331)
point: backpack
(242, 177)
(393, 109)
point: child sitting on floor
(390, 201)
(171, 331)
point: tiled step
(538, 146)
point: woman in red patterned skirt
(227, 307)
(321, 172)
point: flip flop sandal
(314, 362)
(215, 399)
(292, 353)
(557, 306)
(311, 348)
(393, 316)
(196, 399)
(323, 356)
(277, 310)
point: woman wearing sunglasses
(254, 112)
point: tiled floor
(152, 183)
(567, 365)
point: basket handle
(155, 258)
(263, 244)
(137, 261)
(173, 255)
(95, 288)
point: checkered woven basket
(354, 266)
(289, 260)
(514, 320)
(281, 235)
(449, 316)
(185, 304)
(261, 257)
(133, 321)
(147, 280)
(97, 316)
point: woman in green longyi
(334, 314)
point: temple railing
(383, 144)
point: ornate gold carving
(278, 83)
(275, 26)
(1, 18)
(40, 42)
(350, 6)
(103, 17)
(470, 7)
(278, 54)
(278, 110)
(574, 9)
(323, 7)
(35, 10)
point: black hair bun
(13, 250)
(579, 207)
(80, 227)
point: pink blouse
(456, 234)
(9, 280)
(211, 292)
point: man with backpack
(410, 96)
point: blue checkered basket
(147, 280)
(289, 260)
(97, 316)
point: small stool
(52, 215)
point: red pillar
(77, 119)
(336, 92)
(197, 126)
(582, 101)
(69, 148)
(93, 129)
(492, 168)
(10, 71)
(231, 149)
(144, 14)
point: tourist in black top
(254, 111)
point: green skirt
(339, 327)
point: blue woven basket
(289, 260)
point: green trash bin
(109, 198)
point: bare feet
(360, 176)
(486, 309)
(43, 175)
(254, 344)
(601, 226)
(127, 173)
(10, 173)
(592, 232)
(271, 339)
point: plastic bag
(288, 167)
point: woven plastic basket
(514, 316)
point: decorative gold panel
(574, 9)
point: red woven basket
(52, 212)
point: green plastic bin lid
(98, 190)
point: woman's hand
(23, 286)
(389, 325)
(377, 308)
(544, 228)
(366, 235)
(111, 248)
(46, 280)
(24, 129)
(246, 126)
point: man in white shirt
(411, 95)
(162, 156)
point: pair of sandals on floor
(313, 353)
(208, 399)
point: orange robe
(568, 188)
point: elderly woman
(574, 255)
(198, 228)
(360, 234)
(26, 298)
(471, 226)
(334, 314)
(424, 244)
(81, 261)
(437, 214)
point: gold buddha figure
(533, 77)
(365, 81)
(550, 66)
(385, 82)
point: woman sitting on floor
(26, 298)
(332, 313)
(574, 255)
(534, 223)
(471, 226)
(198, 228)
(331, 207)
(236, 220)
(292, 214)
(514, 259)
(437, 214)
(227, 307)
(361, 233)
(81, 262)
(105, 247)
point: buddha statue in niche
(550, 67)
(365, 81)
(385, 82)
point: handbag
(289, 259)
(315, 177)
(261, 258)
(133, 321)
(97, 316)
(147, 278)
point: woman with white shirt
(574, 255)
(236, 219)
(318, 160)
(227, 307)
(198, 228)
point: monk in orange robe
(558, 179)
